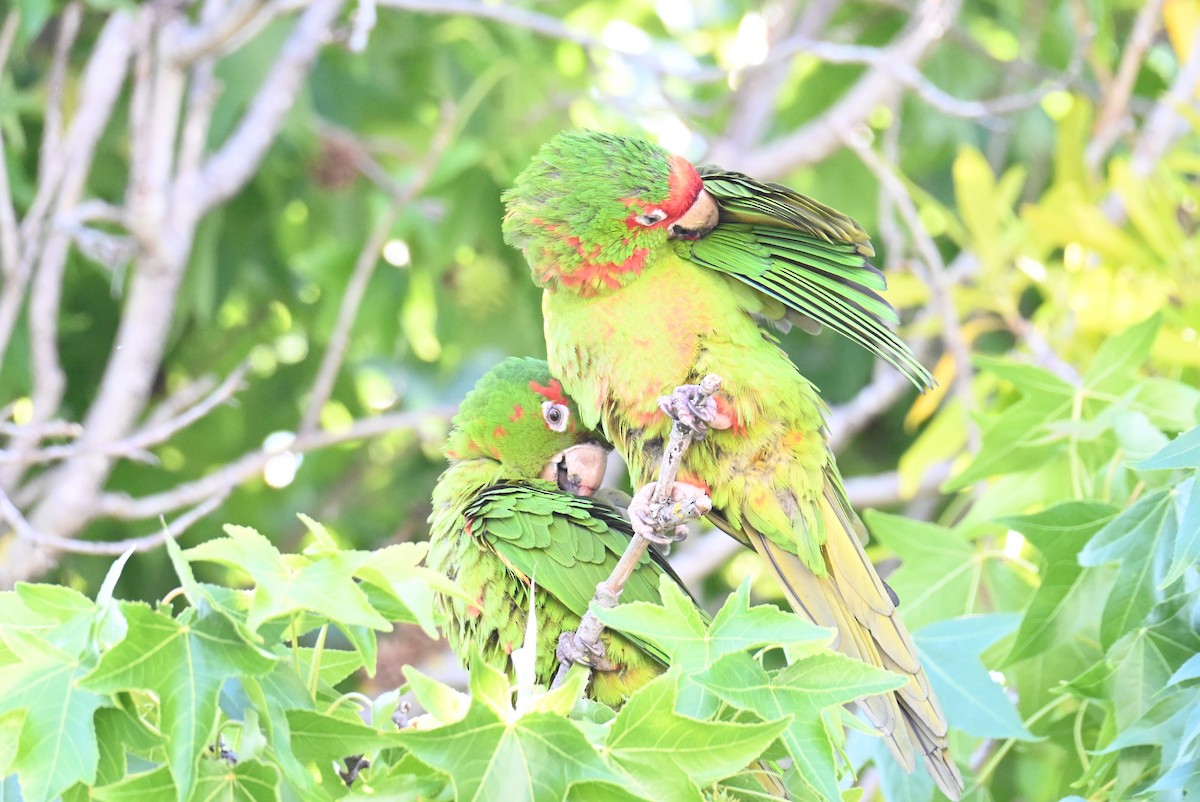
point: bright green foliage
(1090, 476)
(187, 702)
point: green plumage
(688, 301)
(496, 527)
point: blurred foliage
(1064, 558)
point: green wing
(566, 544)
(805, 255)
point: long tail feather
(853, 600)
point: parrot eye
(555, 415)
(651, 217)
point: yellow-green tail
(852, 599)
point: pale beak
(700, 218)
(578, 470)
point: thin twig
(120, 505)
(135, 446)
(10, 246)
(227, 170)
(62, 189)
(27, 532)
(1113, 112)
(665, 515)
(932, 269)
(881, 84)
(68, 29)
(214, 32)
(364, 268)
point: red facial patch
(499, 431)
(551, 392)
(518, 413)
(685, 185)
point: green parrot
(656, 273)
(515, 507)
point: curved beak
(578, 470)
(700, 218)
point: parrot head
(592, 209)
(519, 416)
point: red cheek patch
(518, 413)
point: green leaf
(185, 665)
(1115, 365)
(148, 786)
(1186, 497)
(677, 626)
(489, 755)
(57, 746)
(973, 702)
(1014, 441)
(1146, 658)
(293, 584)
(441, 701)
(802, 691)
(671, 754)
(939, 573)
(317, 736)
(1134, 538)
(1058, 533)
(1182, 452)
(396, 569)
(247, 781)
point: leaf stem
(314, 670)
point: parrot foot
(681, 407)
(666, 523)
(572, 648)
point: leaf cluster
(233, 695)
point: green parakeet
(656, 273)
(515, 508)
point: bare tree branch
(508, 14)
(63, 188)
(608, 593)
(364, 268)
(214, 31)
(1165, 123)
(120, 505)
(68, 29)
(1113, 111)
(177, 527)
(880, 85)
(234, 163)
(932, 269)
(10, 247)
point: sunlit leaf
(973, 702)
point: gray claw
(681, 407)
(572, 649)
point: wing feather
(805, 255)
(566, 544)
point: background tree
(251, 259)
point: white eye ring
(555, 415)
(651, 217)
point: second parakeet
(513, 509)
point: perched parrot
(515, 507)
(656, 273)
